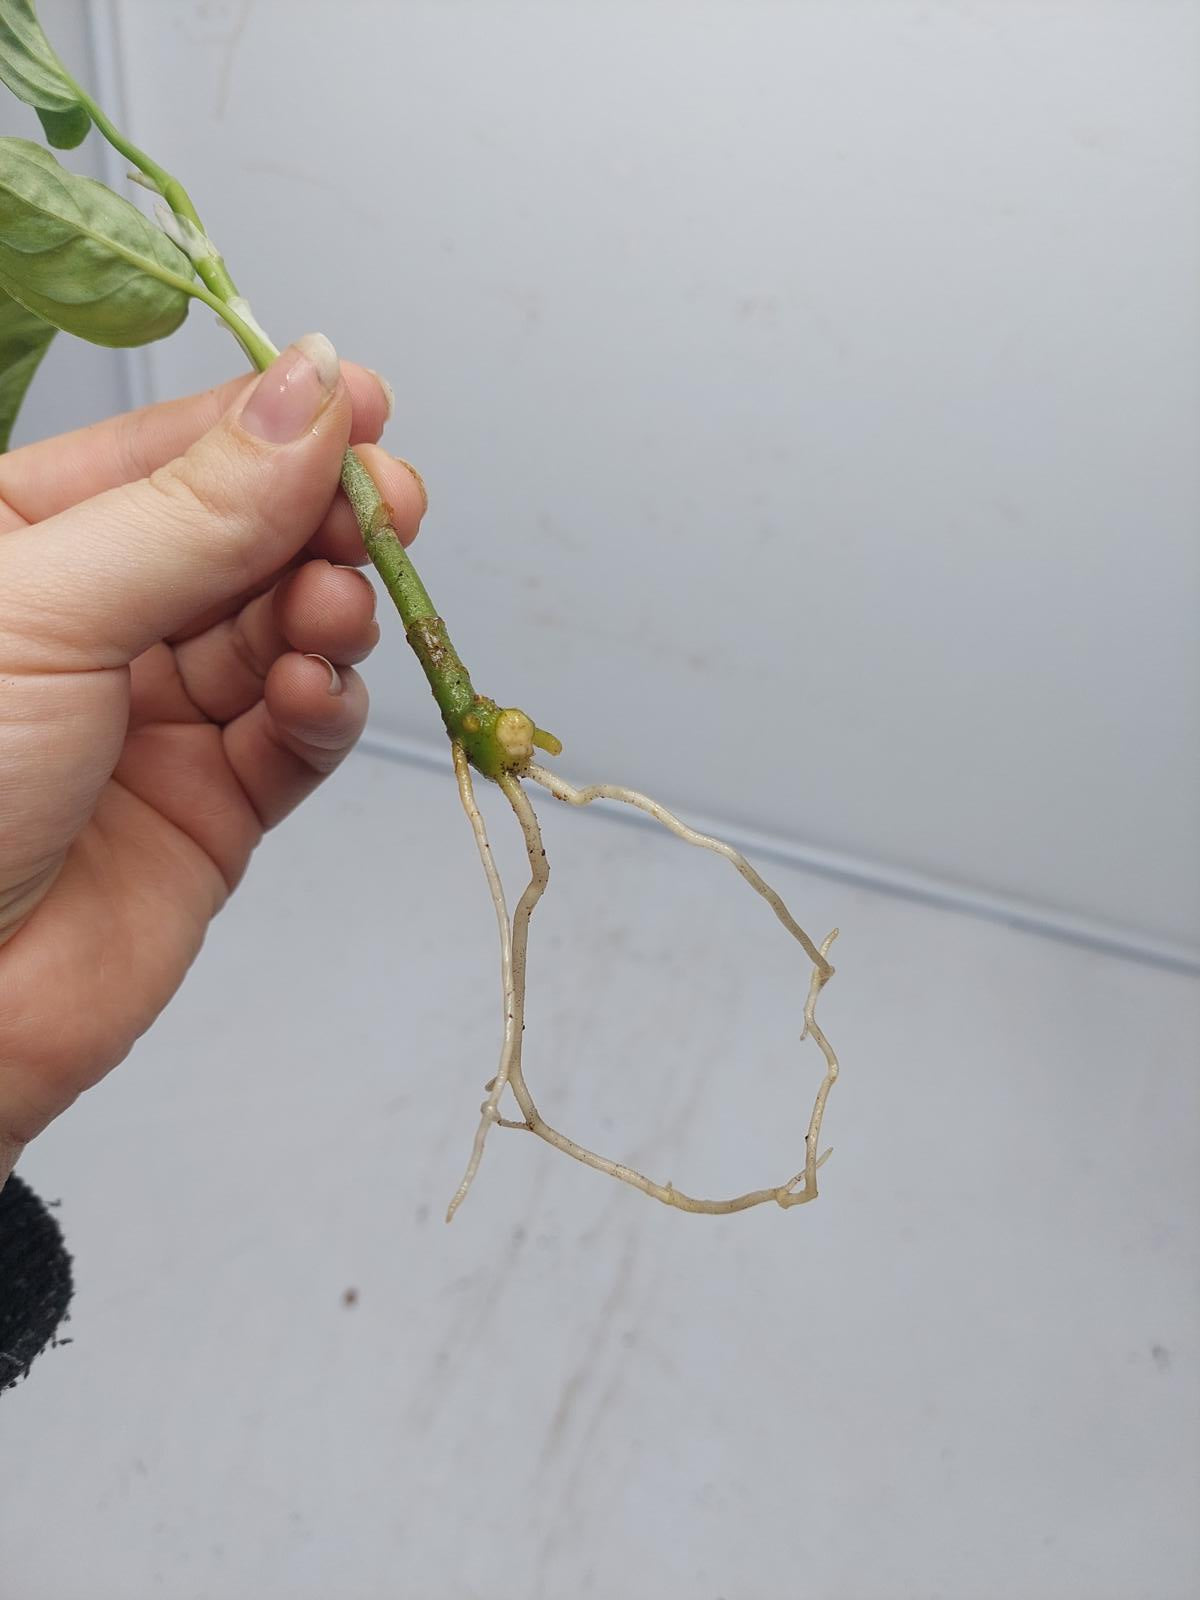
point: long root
(514, 948)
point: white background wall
(808, 398)
(969, 1370)
(808, 392)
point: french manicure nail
(389, 394)
(293, 390)
(408, 467)
(335, 682)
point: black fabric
(35, 1279)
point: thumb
(98, 584)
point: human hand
(166, 579)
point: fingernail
(293, 391)
(389, 394)
(408, 466)
(335, 682)
(340, 566)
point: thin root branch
(514, 948)
(488, 1112)
(630, 797)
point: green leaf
(65, 129)
(24, 340)
(82, 257)
(30, 68)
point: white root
(630, 797)
(489, 1111)
(514, 946)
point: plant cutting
(78, 257)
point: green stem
(259, 349)
(392, 561)
(212, 270)
(215, 278)
(496, 740)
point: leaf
(24, 340)
(30, 68)
(65, 129)
(82, 257)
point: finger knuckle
(192, 490)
